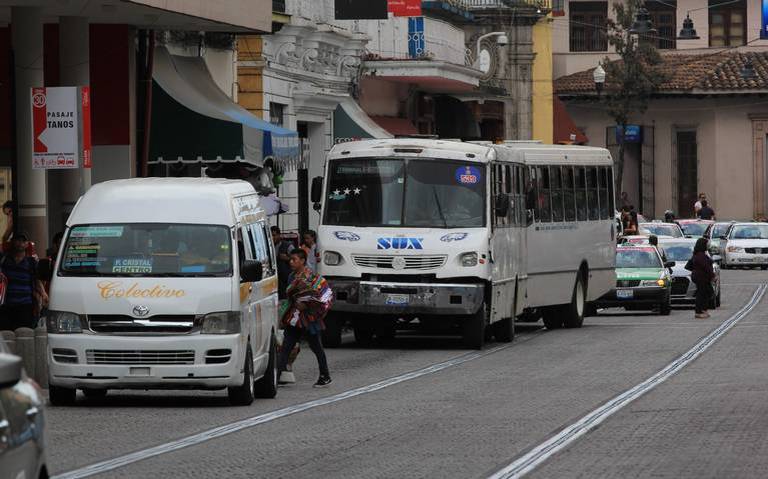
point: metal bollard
(41, 356)
(9, 338)
(25, 347)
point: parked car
(659, 229)
(22, 423)
(746, 246)
(679, 251)
(642, 281)
(694, 228)
(715, 234)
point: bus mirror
(502, 205)
(317, 189)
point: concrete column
(74, 67)
(27, 41)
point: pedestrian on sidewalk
(309, 245)
(23, 291)
(310, 299)
(702, 275)
(706, 212)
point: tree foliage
(631, 81)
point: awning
(352, 123)
(194, 121)
(565, 130)
(396, 126)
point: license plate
(625, 294)
(139, 371)
(397, 299)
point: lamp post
(502, 40)
(599, 76)
(642, 24)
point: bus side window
(605, 211)
(531, 196)
(568, 194)
(545, 202)
(522, 207)
(581, 194)
(592, 193)
(498, 189)
(556, 186)
(260, 247)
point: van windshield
(147, 249)
(424, 193)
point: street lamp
(688, 32)
(502, 41)
(599, 76)
(642, 24)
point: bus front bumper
(406, 298)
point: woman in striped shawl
(310, 299)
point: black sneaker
(322, 381)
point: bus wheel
(574, 312)
(504, 330)
(473, 329)
(332, 332)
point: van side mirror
(316, 195)
(501, 205)
(251, 272)
(10, 370)
(44, 269)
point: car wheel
(59, 396)
(504, 330)
(243, 395)
(94, 393)
(573, 316)
(266, 387)
(473, 329)
(331, 335)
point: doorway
(687, 173)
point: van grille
(411, 262)
(163, 324)
(628, 283)
(105, 356)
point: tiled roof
(702, 73)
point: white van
(164, 283)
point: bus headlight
(226, 322)
(63, 322)
(332, 258)
(468, 259)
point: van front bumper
(406, 298)
(146, 362)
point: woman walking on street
(702, 274)
(310, 299)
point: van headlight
(332, 258)
(63, 322)
(225, 322)
(468, 259)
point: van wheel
(553, 317)
(266, 387)
(573, 316)
(243, 395)
(95, 393)
(332, 333)
(504, 330)
(59, 396)
(473, 329)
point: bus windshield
(637, 258)
(420, 193)
(149, 249)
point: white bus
(435, 235)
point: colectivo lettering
(400, 243)
(115, 289)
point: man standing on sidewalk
(20, 271)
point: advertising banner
(61, 127)
(404, 8)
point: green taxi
(643, 281)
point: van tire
(266, 387)
(59, 396)
(331, 335)
(473, 329)
(573, 314)
(95, 393)
(243, 395)
(504, 330)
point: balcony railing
(278, 6)
(495, 4)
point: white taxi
(747, 246)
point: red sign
(404, 8)
(38, 119)
(85, 105)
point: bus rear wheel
(473, 329)
(573, 314)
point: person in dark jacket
(702, 274)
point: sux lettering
(400, 243)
